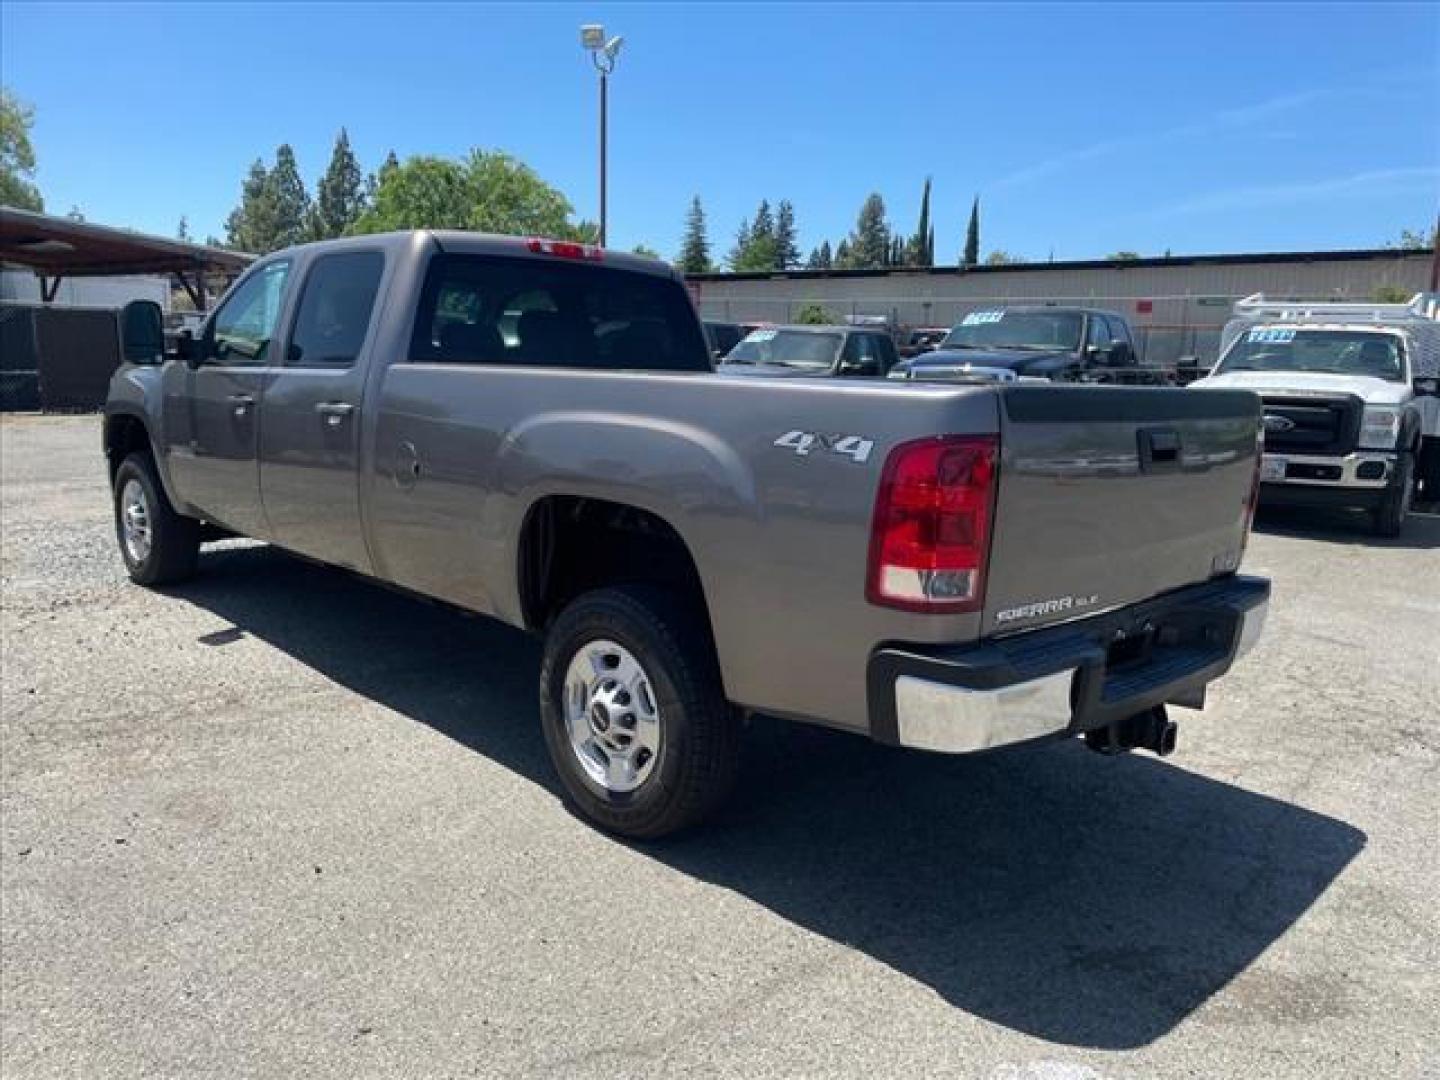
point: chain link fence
(56, 359)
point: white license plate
(1272, 468)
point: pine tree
(972, 236)
(870, 242)
(843, 259)
(787, 251)
(340, 195)
(251, 225)
(827, 260)
(930, 247)
(736, 258)
(182, 231)
(918, 250)
(291, 200)
(764, 226)
(695, 249)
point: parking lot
(280, 821)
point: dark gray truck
(1037, 343)
(533, 430)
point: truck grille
(1317, 425)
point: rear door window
(489, 309)
(335, 309)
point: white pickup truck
(1351, 395)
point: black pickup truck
(1055, 344)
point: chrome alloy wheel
(135, 521)
(611, 715)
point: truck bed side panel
(780, 538)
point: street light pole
(604, 110)
(603, 53)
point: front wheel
(159, 544)
(634, 716)
(1394, 508)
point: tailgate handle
(1159, 449)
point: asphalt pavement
(281, 822)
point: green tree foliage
(820, 257)
(488, 191)
(182, 231)
(274, 210)
(648, 252)
(814, 315)
(1002, 258)
(869, 244)
(787, 249)
(340, 195)
(971, 254)
(1123, 256)
(251, 226)
(764, 225)
(919, 251)
(695, 248)
(842, 255)
(290, 199)
(1414, 239)
(17, 155)
(754, 249)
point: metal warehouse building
(1178, 305)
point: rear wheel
(159, 545)
(1394, 508)
(1428, 470)
(634, 715)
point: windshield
(1331, 352)
(787, 348)
(1016, 330)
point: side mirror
(187, 347)
(1120, 354)
(1428, 387)
(142, 332)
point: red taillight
(565, 249)
(931, 537)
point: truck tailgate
(1109, 495)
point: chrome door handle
(241, 403)
(334, 412)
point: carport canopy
(56, 248)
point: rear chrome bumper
(1067, 679)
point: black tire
(699, 750)
(1428, 469)
(1395, 506)
(174, 539)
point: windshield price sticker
(1272, 334)
(978, 318)
(763, 335)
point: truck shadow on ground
(1421, 532)
(1084, 900)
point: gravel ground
(281, 822)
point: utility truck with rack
(1351, 396)
(533, 430)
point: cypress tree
(972, 236)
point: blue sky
(1083, 128)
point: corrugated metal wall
(1177, 309)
